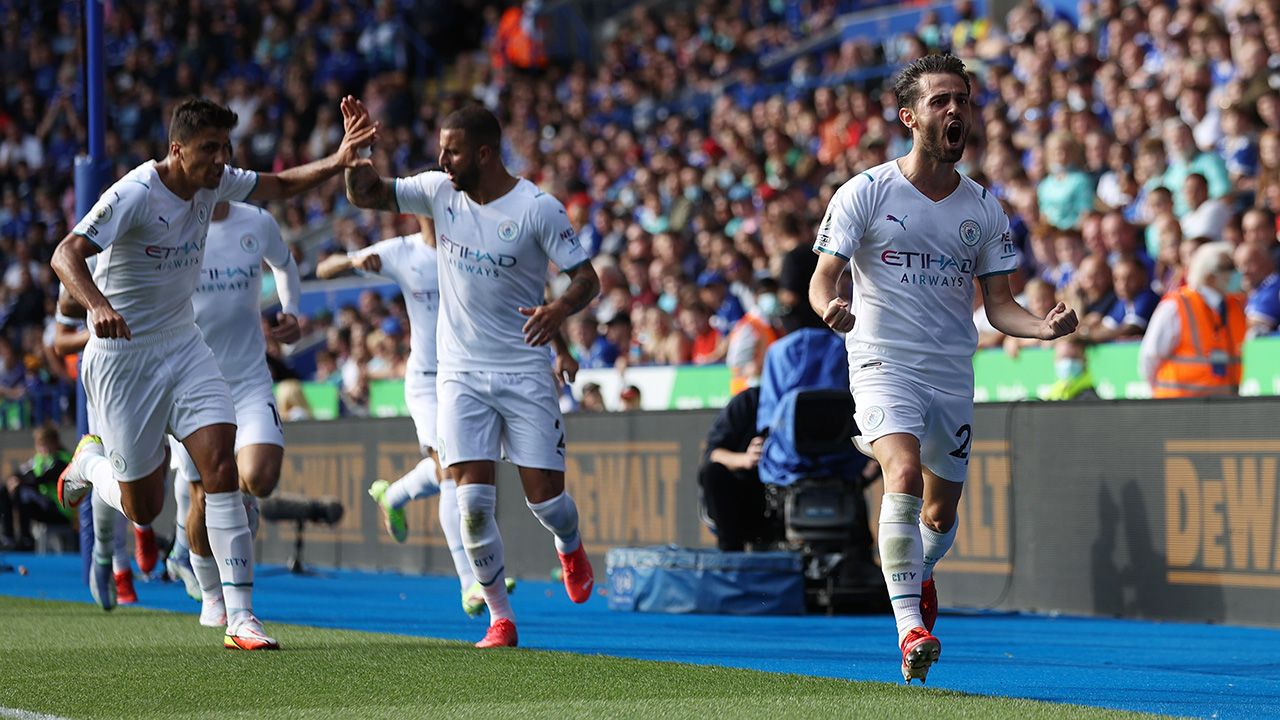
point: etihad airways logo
(934, 269)
(473, 261)
(174, 257)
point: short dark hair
(480, 125)
(196, 114)
(906, 88)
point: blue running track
(1171, 668)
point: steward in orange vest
(1207, 359)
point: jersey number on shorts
(276, 415)
(962, 452)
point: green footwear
(392, 518)
(473, 598)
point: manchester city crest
(970, 232)
(202, 213)
(507, 230)
(249, 244)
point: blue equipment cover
(806, 358)
(670, 579)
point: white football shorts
(257, 423)
(492, 415)
(141, 389)
(420, 396)
(888, 401)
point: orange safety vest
(765, 336)
(1206, 344)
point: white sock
(451, 524)
(480, 536)
(902, 558)
(120, 543)
(936, 545)
(560, 516)
(103, 478)
(206, 570)
(104, 529)
(420, 482)
(252, 512)
(182, 495)
(232, 546)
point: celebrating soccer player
(918, 234)
(495, 234)
(226, 302)
(147, 368)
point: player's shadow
(1129, 573)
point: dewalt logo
(336, 469)
(1221, 519)
(625, 491)
(985, 532)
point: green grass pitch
(75, 661)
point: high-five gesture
(359, 132)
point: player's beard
(464, 179)
(937, 147)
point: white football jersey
(411, 263)
(493, 260)
(915, 263)
(227, 301)
(153, 243)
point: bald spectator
(1092, 292)
(1262, 283)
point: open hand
(360, 132)
(543, 323)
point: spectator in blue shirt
(726, 308)
(591, 350)
(1262, 311)
(1135, 301)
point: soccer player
(918, 234)
(410, 260)
(226, 303)
(147, 368)
(495, 235)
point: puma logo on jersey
(902, 222)
(161, 219)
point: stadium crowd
(696, 171)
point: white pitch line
(16, 714)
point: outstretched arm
(1010, 318)
(297, 180)
(335, 265)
